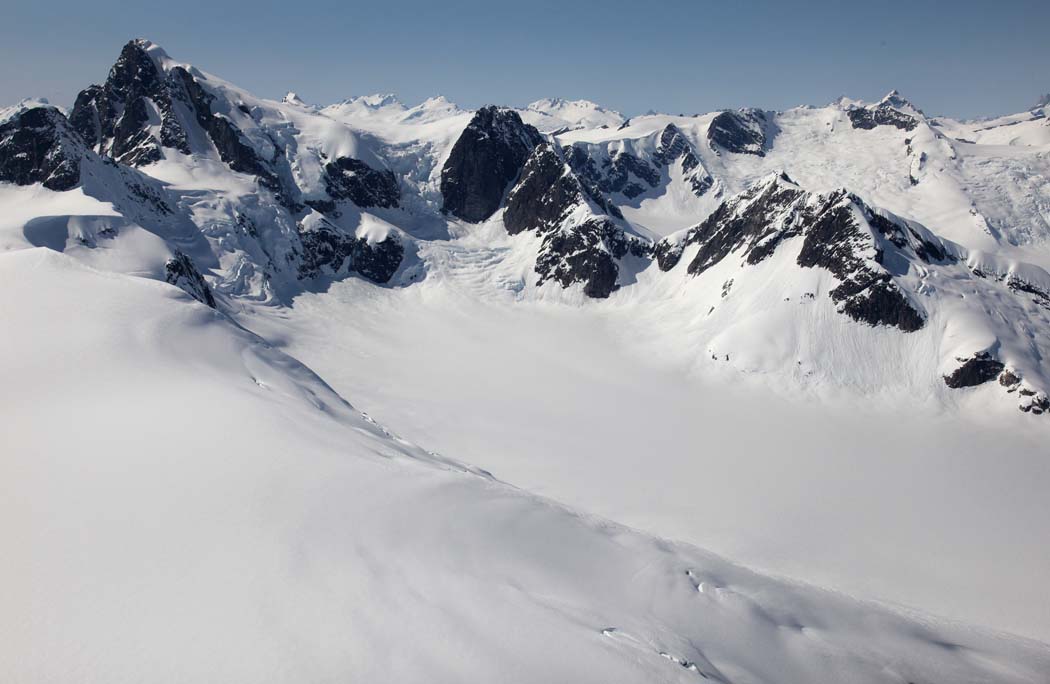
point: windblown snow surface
(187, 503)
(717, 477)
(878, 491)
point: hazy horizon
(674, 57)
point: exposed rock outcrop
(1034, 402)
(752, 221)
(867, 118)
(840, 234)
(744, 131)
(630, 175)
(37, 146)
(838, 242)
(581, 242)
(620, 173)
(977, 370)
(115, 118)
(118, 119)
(181, 272)
(486, 158)
(351, 179)
(674, 146)
(1009, 379)
(327, 250)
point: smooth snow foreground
(183, 503)
(890, 491)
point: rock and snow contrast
(555, 303)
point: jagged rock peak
(485, 159)
(1043, 101)
(505, 124)
(674, 146)
(114, 118)
(544, 195)
(118, 119)
(141, 58)
(136, 52)
(897, 101)
(905, 118)
(581, 242)
(37, 145)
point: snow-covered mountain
(851, 250)
(554, 114)
(267, 199)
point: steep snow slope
(210, 509)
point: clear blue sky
(964, 58)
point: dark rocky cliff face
(583, 250)
(834, 241)
(745, 131)
(114, 118)
(351, 179)
(544, 195)
(674, 146)
(486, 158)
(977, 370)
(327, 250)
(586, 254)
(37, 146)
(751, 226)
